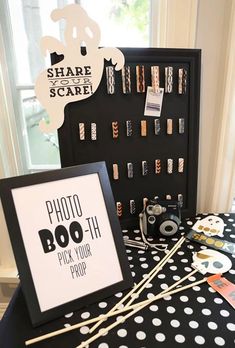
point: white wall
(212, 37)
(206, 24)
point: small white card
(153, 103)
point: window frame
(16, 120)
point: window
(123, 23)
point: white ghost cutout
(77, 76)
(211, 226)
(211, 261)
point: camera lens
(168, 228)
(169, 225)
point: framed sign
(65, 236)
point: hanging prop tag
(78, 75)
(153, 103)
(211, 261)
(224, 287)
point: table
(197, 317)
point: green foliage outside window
(135, 13)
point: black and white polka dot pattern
(194, 318)
(197, 317)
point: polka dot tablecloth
(197, 317)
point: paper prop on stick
(78, 75)
(224, 287)
(211, 261)
(212, 242)
(211, 226)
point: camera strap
(159, 247)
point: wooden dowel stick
(179, 281)
(164, 293)
(135, 295)
(83, 323)
(144, 280)
(112, 312)
(122, 320)
(61, 331)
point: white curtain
(217, 144)
(210, 26)
(224, 179)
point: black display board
(103, 109)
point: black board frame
(103, 108)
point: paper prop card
(211, 261)
(78, 75)
(211, 225)
(224, 287)
(65, 235)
